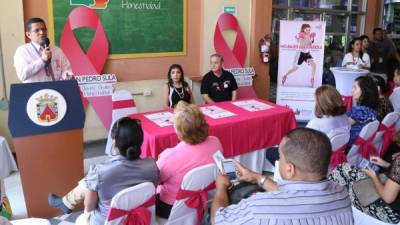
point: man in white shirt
(36, 61)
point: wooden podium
(46, 121)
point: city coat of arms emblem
(47, 108)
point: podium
(46, 121)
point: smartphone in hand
(228, 168)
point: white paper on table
(252, 105)
(216, 112)
(162, 119)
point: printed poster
(300, 66)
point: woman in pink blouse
(195, 149)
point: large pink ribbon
(366, 148)
(236, 57)
(196, 199)
(137, 216)
(388, 133)
(91, 62)
(338, 156)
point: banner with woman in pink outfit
(300, 67)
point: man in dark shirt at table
(218, 85)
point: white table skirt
(7, 162)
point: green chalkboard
(134, 28)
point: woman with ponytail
(105, 180)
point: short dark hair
(376, 29)
(309, 150)
(328, 102)
(128, 136)
(369, 92)
(221, 59)
(28, 23)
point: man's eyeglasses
(43, 30)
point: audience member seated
(195, 149)
(304, 196)
(381, 49)
(384, 106)
(330, 112)
(105, 180)
(387, 207)
(356, 58)
(365, 95)
(365, 44)
(395, 96)
(394, 148)
(176, 89)
(218, 85)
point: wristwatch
(262, 181)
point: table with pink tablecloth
(245, 132)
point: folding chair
(137, 202)
(123, 105)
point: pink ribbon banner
(91, 62)
(235, 57)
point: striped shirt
(296, 202)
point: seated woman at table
(106, 179)
(195, 149)
(356, 58)
(384, 106)
(330, 112)
(176, 89)
(365, 95)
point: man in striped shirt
(304, 197)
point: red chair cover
(366, 148)
(137, 216)
(388, 133)
(338, 156)
(348, 100)
(196, 199)
(123, 104)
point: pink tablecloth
(245, 132)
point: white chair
(338, 142)
(30, 221)
(367, 132)
(131, 198)
(196, 179)
(123, 105)
(389, 121)
(361, 218)
(395, 100)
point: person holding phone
(304, 196)
(387, 208)
(37, 61)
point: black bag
(243, 190)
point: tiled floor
(93, 153)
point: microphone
(46, 42)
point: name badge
(380, 60)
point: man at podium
(37, 61)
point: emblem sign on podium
(46, 107)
